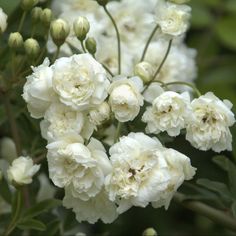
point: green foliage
(31, 224)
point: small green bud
(32, 47)
(36, 13)
(81, 27)
(59, 31)
(26, 5)
(46, 16)
(179, 1)
(91, 45)
(145, 71)
(150, 232)
(15, 40)
(102, 2)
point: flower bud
(81, 27)
(150, 232)
(3, 21)
(15, 40)
(102, 2)
(46, 16)
(36, 13)
(59, 31)
(100, 114)
(8, 149)
(22, 171)
(26, 5)
(91, 45)
(179, 1)
(32, 47)
(145, 71)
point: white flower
(180, 64)
(125, 98)
(169, 112)
(173, 19)
(80, 81)
(210, 127)
(3, 21)
(98, 207)
(22, 170)
(38, 91)
(100, 114)
(79, 168)
(143, 173)
(60, 120)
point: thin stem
(118, 130)
(208, 211)
(163, 61)
(21, 21)
(108, 70)
(118, 38)
(56, 54)
(148, 42)
(198, 93)
(13, 125)
(15, 217)
(82, 45)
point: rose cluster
(83, 109)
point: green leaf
(225, 31)
(53, 227)
(31, 224)
(231, 6)
(217, 187)
(42, 207)
(5, 191)
(233, 208)
(9, 6)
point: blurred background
(213, 34)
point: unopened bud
(3, 21)
(179, 1)
(91, 45)
(100, 114)
(15, 40)
(145, 71)
(150, 232)
(81, 28)
(32, 47)
(26, 5)
(36, 13)
(102, 2)
(46, 16)
(59, 31)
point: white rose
(22, 170)
(98, 207)
(38, 91)
(210, 127)
(3, 21)
(80, 81)
(100, 114)
(79, 168)
(169, 112)
(142, 171)
(60, 120)
(126, 98)
(173, 19)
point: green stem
(118, 130)
(163, 61)
(148, 42)
(56, 54)
(107, 69)
(118, 38)
(15, 217)
(21, 21)
(207, 211)
(82, 45)
(198, 93)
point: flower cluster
(87, 108)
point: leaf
(5, 191)
(31, 224)
(225, 31)
(42, 207)
(233, 208)
(231, 6)
(9, 6)
(53, 227)
(217, 187)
